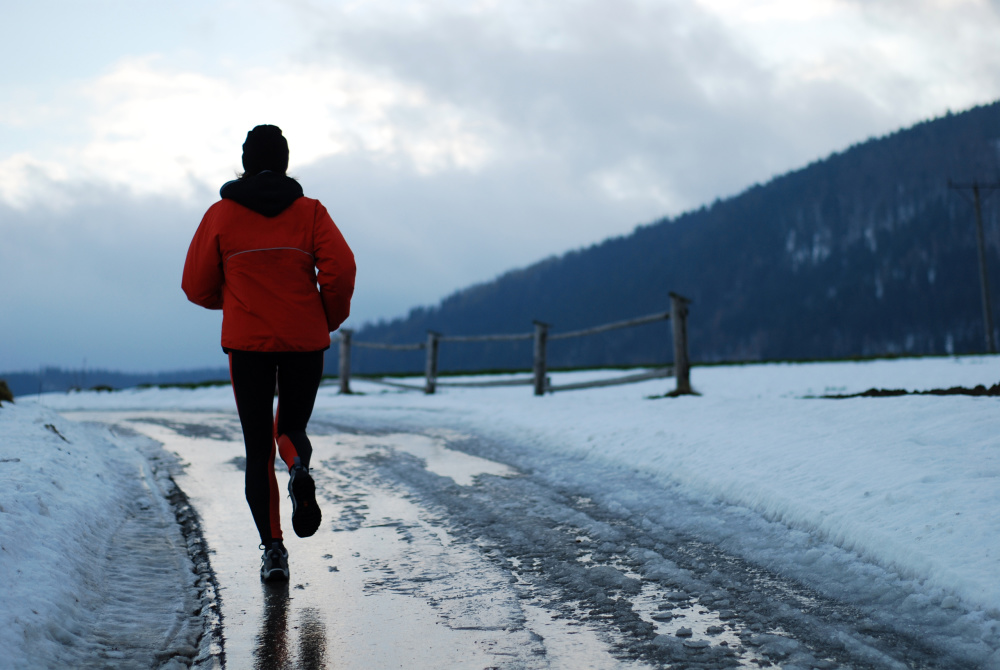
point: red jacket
(261, 271)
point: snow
(906, 483)
(93, 565)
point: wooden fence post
(345, 360)
(682, 361)
(433, 342)
(540, 365)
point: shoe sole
(306, 516)
(274, 575)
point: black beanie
(265, 149)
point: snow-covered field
(909, 483)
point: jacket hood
(267, 193)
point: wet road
(431, 556)
(350, 601)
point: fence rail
(391, 347)
(641, 321)
(521, 381)
(680, 370)
(486, 338)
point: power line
(984, 280)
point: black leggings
(254, 375)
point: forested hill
(866, 252)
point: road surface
(441, 550)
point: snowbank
(907, 482)
(93, 565)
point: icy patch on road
(459, 466)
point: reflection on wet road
(276, 637)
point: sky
(451, 140)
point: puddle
(685, 614)
(703, 622)
(569, 644)
(714, 625)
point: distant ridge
(863, 253)
(51, 379)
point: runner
(258, 256)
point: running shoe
(305, 512)
(274, 563)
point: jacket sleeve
(203, 278)
(335, 268)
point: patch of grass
(977, 391)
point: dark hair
(265, 149)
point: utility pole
(984, 280)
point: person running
(281, 272)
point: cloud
(159, 131)
(911, 58)
(658, 103)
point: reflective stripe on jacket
(262, 272)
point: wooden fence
(539, 380)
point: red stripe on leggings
(275, 497)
